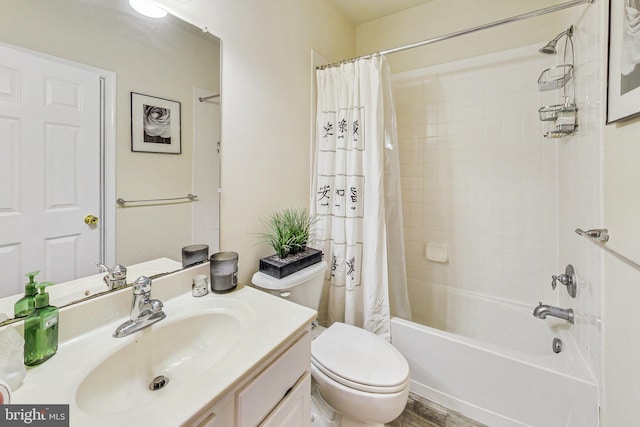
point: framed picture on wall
(623, 97)
(155, 124)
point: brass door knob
(91, 220)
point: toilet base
(366, 409)
(323, 415)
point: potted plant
(289, 232)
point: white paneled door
(50, 127)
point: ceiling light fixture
(148, 8)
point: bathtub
(498, 367)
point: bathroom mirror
(164, 59)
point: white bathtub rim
(496, 407)
(579, 368)
(552, 325)
(584, 375)
(519, 305)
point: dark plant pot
(278, 267)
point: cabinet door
(260, 396)
(219, 415)
(295, 409)
(209, 420)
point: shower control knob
(563, 278)
(568, 279)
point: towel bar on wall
(120, 201)
(600, 236)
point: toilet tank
(303, 287)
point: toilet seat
(360, 360)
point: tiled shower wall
(481, 180)
(478, 176)
(580, 182)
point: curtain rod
(516, 18)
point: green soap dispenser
(41, 329)
(25, 305)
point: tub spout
(543, 310)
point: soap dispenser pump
(25, 305)
(41, 329)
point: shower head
(550, 48)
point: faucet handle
(563, 278)
(119, 272)
(142, 285)
(568, 278)
(103, 267)
(156, 305)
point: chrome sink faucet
(144, 310)
(116, 277)
(543, 310)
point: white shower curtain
(356, 196)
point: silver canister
(194, 254)
(224, 271)
(200, 285)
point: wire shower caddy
(564, 116)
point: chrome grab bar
(600, 234)
(120, 201)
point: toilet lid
(359, 359)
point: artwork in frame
(623, 97)
(155, 124)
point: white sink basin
(204, 346)
(178, 349)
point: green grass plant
(289, 230)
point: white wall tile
(504, 199)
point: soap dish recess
(437, 252)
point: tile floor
(421, 412)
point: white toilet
(359, 375)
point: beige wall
(266, 106)
(439, 17)
(149, 57)
(621, 321)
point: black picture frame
(623, 79)
(155, 124)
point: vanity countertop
(209, 343)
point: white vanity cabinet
(235, 359)
(277, 393)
